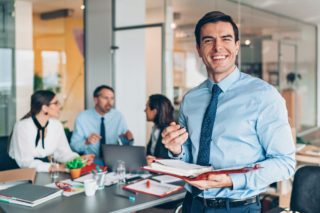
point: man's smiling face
(218, 48)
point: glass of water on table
(121, 172)
(55, 167)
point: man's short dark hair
(96, 92)
(213, 17)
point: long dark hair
(164, 109)
(38, 99)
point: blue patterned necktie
(206, 133)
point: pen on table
(129, 190)
(124, 196)
(148, 184)
(98, 169)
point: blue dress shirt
(89, 121)
(251, 126)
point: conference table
(103, 201)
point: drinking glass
(121, 172)
(55, 167)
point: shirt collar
(226, 82)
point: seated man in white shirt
(100, 125)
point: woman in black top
(159, 110)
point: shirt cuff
(179, 157)
(238, 180)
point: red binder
(205, 175)
(88, 168)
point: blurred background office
(146, 47)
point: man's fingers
(173, 135)
(170, 129)
(172, 123)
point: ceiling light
(82, 7)
(247, 42)
(173, 26)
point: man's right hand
(93, 138)
(173, 137)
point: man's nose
(217, 45)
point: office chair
(305, 195)
(7, 162)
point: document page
(156, 188)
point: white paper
(75, 189)
(156, 188)
(10, 184)
(166, 178)
(110, 178)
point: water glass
(54, 166)
(121, 172)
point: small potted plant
(75, 167)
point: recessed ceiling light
(247, 42)
(82, 7)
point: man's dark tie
(103, 135)
(206, 133)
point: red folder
(205, 175)
(88, 168)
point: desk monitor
(134, 157)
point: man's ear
(237, 46)
(199, 51)
(95, 99)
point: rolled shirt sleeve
(275, 137)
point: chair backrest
(69, 136)
(305, 197)
(6, 162)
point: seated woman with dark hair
(159, 110)
(39, 135)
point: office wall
(24, 57)
(98, 40)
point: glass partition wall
(41, 47)
(276, 49)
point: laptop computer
(134, 157)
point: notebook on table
(192, 172)
(29, 194)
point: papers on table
(10, 184)
(166, 179)
(69, 187)
(156, 188)
(111, 178)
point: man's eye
(206, 41)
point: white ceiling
(252, 21)
(306, 10)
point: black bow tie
(36, 122)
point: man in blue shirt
(230, 120)
(100, 125)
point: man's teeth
(219, 57)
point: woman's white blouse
(23, 150)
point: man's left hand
(128, 135)
(213, 181)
